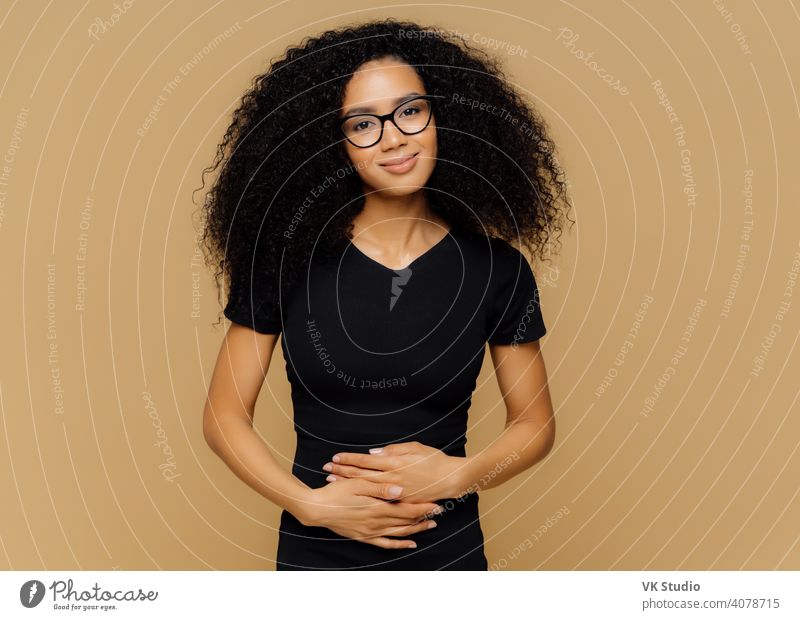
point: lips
(397, 160)
(400, 165)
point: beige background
(706, 480)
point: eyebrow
(371, 110)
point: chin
(399, 192)
(408, 188)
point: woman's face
(398, 164)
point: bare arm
(357, 510)
(530, 424)
(427, 473)
(239, 373)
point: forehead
(381, 80)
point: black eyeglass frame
(382, 118)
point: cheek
(356, 156)
(365, 168)
(430, 142)
(431, 146)
(360, 160)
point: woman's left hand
(425, 473)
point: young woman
(373, 181)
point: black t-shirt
(377, 356)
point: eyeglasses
(410, 117)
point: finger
(412, 510)
(351, 472)
(378, 462)
(408, 530)
(390, 543)
(398, 522)
(397, 449)
(381, 490)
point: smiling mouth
(398, 161)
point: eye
(411, 110)
(358, 125)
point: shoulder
(504, 249)
(486, 241)
(488, 247)
(507, 261)
(511, 273)
(501, 260)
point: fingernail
(331, 478)
(395, 491)
(438, 510)
(327, 467)
(375, 450)
(335, 458)
(412, 545)
(431, 524)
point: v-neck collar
(431, 250)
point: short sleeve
(253, 303)
(515, 315)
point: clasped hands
(421, 472)
(410, 475)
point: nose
(392, 136)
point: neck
(395, 220)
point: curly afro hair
(286, 188)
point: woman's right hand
(357, 508)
